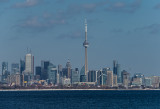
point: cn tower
(86, 44)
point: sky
(124, 30)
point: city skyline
(127, 31)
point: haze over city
(123, 30)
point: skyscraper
(5, 71)
(68, 67)
(52, 73)
(29, 63)
(44, 68)
(15, 68)
(114, 67)
(85, 44)
(38, 72)
(110, 78)
(125, 78)
(117, 71)
(119, 76)
(22, 66)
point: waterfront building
(44, 69)
(75, 76)
(5, 71)
(125, 78)
(60, 70)
(29, 63)
(26, 78)
(14, 79)
(68, 68)
(117, 71)
(148, 82)
(115, 80)
(15, 68)
(110, 78)
(155, 81)
(92, 76)
(99, 77)
(115, 67)
(82, 74)
(138, 79)
(38, 73)
(66, 81)
(119, 78)
(22, 66)
(52, 73)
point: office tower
(117, 71)
(52, 73)
(22, 66)
(65, 72)
(44, 69)
(68, 67)
(110, 78)
(29, 63)
(75, 76)
(119, 78)
(60, 73)
(115, 67)
(125, 78)
(38, 72)
(15, 68)
(5, 71)
(60, 68)
(85, 44)
(92, 76)
(115, 80)
(4, 67)
(82, 74)
(99, 77)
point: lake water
(100, 99)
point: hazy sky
(125, 30)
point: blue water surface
(99, 99)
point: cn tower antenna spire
(85, 25)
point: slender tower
(85, 44)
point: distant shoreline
(74, 89)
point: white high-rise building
(29, 63)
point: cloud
(41, 23)
(76, 9)
(152, 29)
(27, 3)
(157, 6)
(71, 35)
(116, 30)
(4, 0)
(124, 6)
